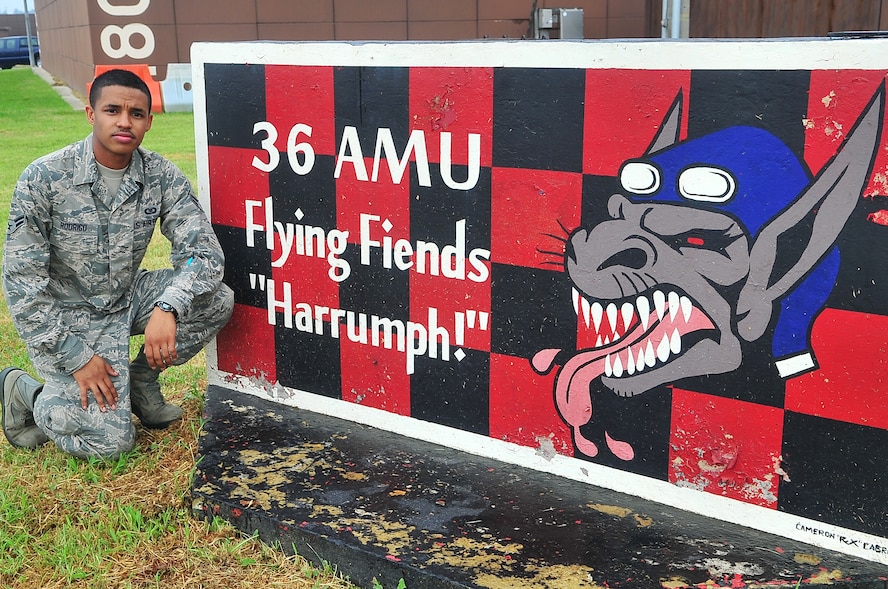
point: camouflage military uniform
(74, 288)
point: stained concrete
(378, 505)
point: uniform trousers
(91, 432)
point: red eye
(697, 241)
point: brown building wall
(63, 29)
(76, 35)
(785, 18)
(13, 25)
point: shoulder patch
(14, 224)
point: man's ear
(829, 201)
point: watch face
(163, 306)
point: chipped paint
(760, 489)
(611, 509)
(477, 554)
(492, 561)
(674, 583)
(268, 475)
(550, 577)
(825, 577)
(640, 520)
(718, 567)
(546, 448)
(804, 558)
(354, 476)
(879, 217)
(778, 468)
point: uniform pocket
(75, 249)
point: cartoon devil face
(692, 260)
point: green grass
(125, 523)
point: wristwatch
(165, 306)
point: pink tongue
(572, 389)
(543, 360)
(572, 394)
(572, 385)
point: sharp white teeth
(627, 311)
(644, 311)
(612, 317)
(663, 350)
(686, 307)
(673, 305)
(597, 311)
(660, 304)
(675, 342)
(621, 317)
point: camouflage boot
(19, 392)
(147, 401)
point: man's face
(120, 119)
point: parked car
(14, 51)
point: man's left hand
(160, 340)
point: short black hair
(117, 77)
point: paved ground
(380, 505)
(65, 92)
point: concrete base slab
(385, 507)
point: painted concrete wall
(655, 267)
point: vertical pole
(28, 33)
(676, 18)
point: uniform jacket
(72, 253)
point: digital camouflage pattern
(74, 288)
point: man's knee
(226, 302)
(84, 433)
(212, 311)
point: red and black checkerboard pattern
(552, 143)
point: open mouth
(637, 333)
(621, 340)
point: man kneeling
(79, 225)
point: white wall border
(700, 54)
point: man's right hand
(95, 377)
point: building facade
(78, 35)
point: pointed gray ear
(670, 128)
(831, 198)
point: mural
(673, 274)
(689, 266)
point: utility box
(558, 23)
